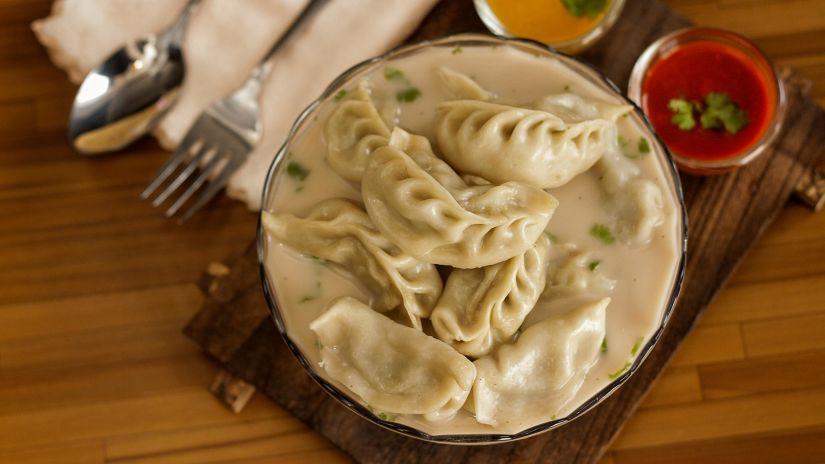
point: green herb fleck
(636, 346)
(720, 112)
(621, 141)
(593, 265)
(297, 171)
(408, 95)
(619, 372)
(553, 238)
(644, 146)
(553, 418)
(567, 88)
(604, 345)
(683, 113)
(392, 74)
(316, 292)
(603, 233)
(317, 260)
(589, 8)
(457, 50)
(342, 94)
(386, 417)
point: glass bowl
(574, 45)
(669, 43)
(308, 117)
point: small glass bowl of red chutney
(711, 95)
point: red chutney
(691, 72)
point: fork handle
(313, 7)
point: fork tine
(204, 175)
(191, 166)
(214, 187)
(169, 166)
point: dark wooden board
(727, 214)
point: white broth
(644, 275)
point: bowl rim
(458, 40)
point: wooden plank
(787, 372)
(82, 452)
(166, 411)
(787, 335)
(732, 417)
(772, 299)
(710, 344)
(677, 384)
(798, 447)
(169, 443)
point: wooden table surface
(95, 286)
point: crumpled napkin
(224, 41)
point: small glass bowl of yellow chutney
(569, 26)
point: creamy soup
(637, 276)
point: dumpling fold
(421, 204)
(393, 368)
(340, 232)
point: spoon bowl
(126, 95)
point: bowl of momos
(471, 240)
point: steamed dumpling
(340, 232)
(529, 382)
(637, 204)
(353, 131)
(568, 273)
(572, 108)
(460, 85)
(393, 368)
(480, 308)
(425, 208)
(505, 143)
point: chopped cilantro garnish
(636, 346)
(408, 95)
(604, 345)
(386, 417)
(603, 233)
(593, 265)
(457, 50)
(551, 236)
(342, 94)
(619, 372)
(316, 292)
(683, 113)
(720, 113)
(621, 141)
(717, 112)
(392, 74)
(589, 8)
(297, 171)
(644, 146)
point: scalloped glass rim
(587, 72)
(574, 45)
(671, 41)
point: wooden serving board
(726, 216)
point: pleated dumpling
(460, 85)
(353, 131)
(572, 108)
(425, 208)
(393, 368)
(340, 232)
(529, 382)
(504, 143)
(480, 308)
(637, 204)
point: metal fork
(220, 139)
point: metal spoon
(125, 96)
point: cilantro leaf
(391, 74)
(683, 113)
(581, 8)
(593, 265)
(615, 375)
(603, 349)
(603, 233)
(720, 112)
(457, 50)
(551, 236)
(340, 95)
(297, 171)
(636, 346)
(644, 146)
(408, 95)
